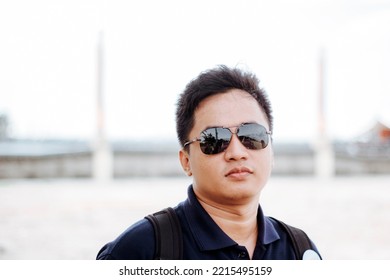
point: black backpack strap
(299, 238)
(168, 235)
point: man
(224, 123)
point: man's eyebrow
(212, 126)
(228, 126)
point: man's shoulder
(137, 243)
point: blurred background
(87, 115)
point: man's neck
(239, 222)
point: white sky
(48, 58)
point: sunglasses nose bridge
(235, 148)
(232, 133)
(236, 129)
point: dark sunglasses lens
(214, 140)
(253, 136)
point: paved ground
(348, 218)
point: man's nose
(236, 150)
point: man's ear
(185, 162)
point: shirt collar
(209, 236)
(267, 231)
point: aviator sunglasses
(215, 140)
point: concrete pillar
(324, 155)
(102, 169)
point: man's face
(214, 176)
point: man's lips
(239, 172)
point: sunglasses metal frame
(232, 133)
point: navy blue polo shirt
(203, 239)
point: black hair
(214, 81)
